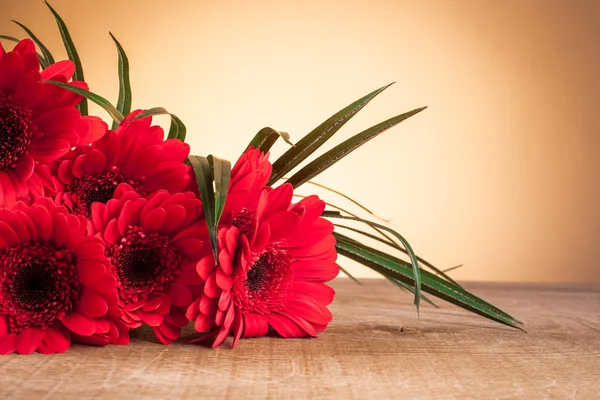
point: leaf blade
(48, 58)
(432, 284)
(266, 138)
(125, 94)
(340, 151)
(71, 52)
(404, 268)
(95, 98)
(409, 250)
(318, 136)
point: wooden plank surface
(376, 347)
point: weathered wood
(376, 347)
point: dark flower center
(16, 131)
(144, 264)
(37, 285)
(96, 188)
(264, 288)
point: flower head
(135, 154)
(38, 122)
(55, 283)
(153, 245)
(272, 265)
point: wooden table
(376, 347)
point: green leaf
(343, 149)
(204, 180)
(177, 129)
(266, 137)
(395, 246)
(382, 233)
(124, 102)
(315, 139)
(409, 250)
(48, 59)
(348, 274)
(101, 101)
(408, 288)
(71, 52)
(221, 174)
(9, 38)
(401, 270)
(345, 196)
(15, 40)
(212, 170)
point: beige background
(500, 173)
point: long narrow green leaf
(401, 270)
(177, 129)
(348, 274)
(396, 247)
(315, 139)
(408, 288)
(221, 174)
(10, 38)
(345, 196)
(125, 96)
(379, 231)
(409, 250)
(15, 40)
(48, 59)
(266, 137)
(101, 101)
(343, 149)
(204, 180)
(71, 52)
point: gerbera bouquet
(105, 230)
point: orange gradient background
(500, 173)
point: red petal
(79, 324)
(48, 150)
(8, 235)
(255, 325)
(57, 341)
(317, 290)
(65, 68)
(282, 224)
(7, 343)
(152, 304)
(284, 326)
(203, 323)
(170, 331)
(90, 271)
(94, 162)
(192, 310)
(92, 304)
(205, 267)
(43, 222)
(175, 215)
(208, 305)
(180, 295)
(224, 281)
(154, 220)
(210, 287)
(25, 166)
(29, 340)
(151, 319)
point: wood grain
(376, 347)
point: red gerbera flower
(271, 272)
(55, 283)
(38, 122)
(135, 154)
(153, 245)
